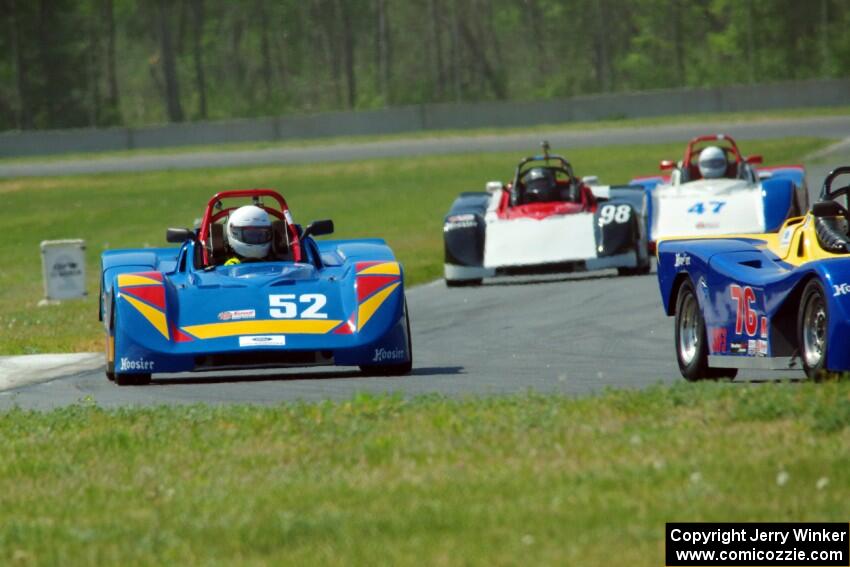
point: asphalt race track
(825, 127)
(571, 334)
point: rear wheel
(464, 283)
(691, 343)
(394, 369)
(812, 326)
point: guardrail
(797, 94)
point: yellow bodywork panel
(155, 316)
(385, 268)
(125, 280)
(371, 305)
(269, 326)
(795, 243)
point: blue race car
(768, 301)
(312, 303)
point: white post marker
(64, 270)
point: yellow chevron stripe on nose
(155, 316)
(383, 269)
(269, 326)
(125, 280)
(371, 305)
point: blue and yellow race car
(766, 301)
(310, 303)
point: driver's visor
(252, 234)
(716, 163)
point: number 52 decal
(285, 306)
(712, 207)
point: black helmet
(540, 185)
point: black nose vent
(263, 359)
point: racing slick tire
(812, 326)
(132, 379)
(642, 269)
(691, 343)
(401, 369)
(124, 379)
(110, 365)
(638, 271)
(464, 283)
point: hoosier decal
(383, 355)
(138, 364)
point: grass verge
(522, 480)
(724, 117)
(402, 200)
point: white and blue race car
(747, 198)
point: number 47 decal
(700, 207)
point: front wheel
(638, 271)
(643, 267)
(812, 326)
(132, 379)
(401, 369)
(111, 374)
(691, 344)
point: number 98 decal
(284, 306)
(614, 213)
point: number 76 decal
(712, 207)
(746, 317)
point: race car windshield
(252, 234)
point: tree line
(80, 63)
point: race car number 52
(614, 213)
(307, 306)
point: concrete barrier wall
(798, 94)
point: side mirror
(755, 160)
(179, 235)
(319, 228)
(666, 165)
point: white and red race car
(748, 198)
(546, 220)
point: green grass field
(402, 200)
(523, 480)
(726, 117)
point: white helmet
(249, 232)
(712, 162)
